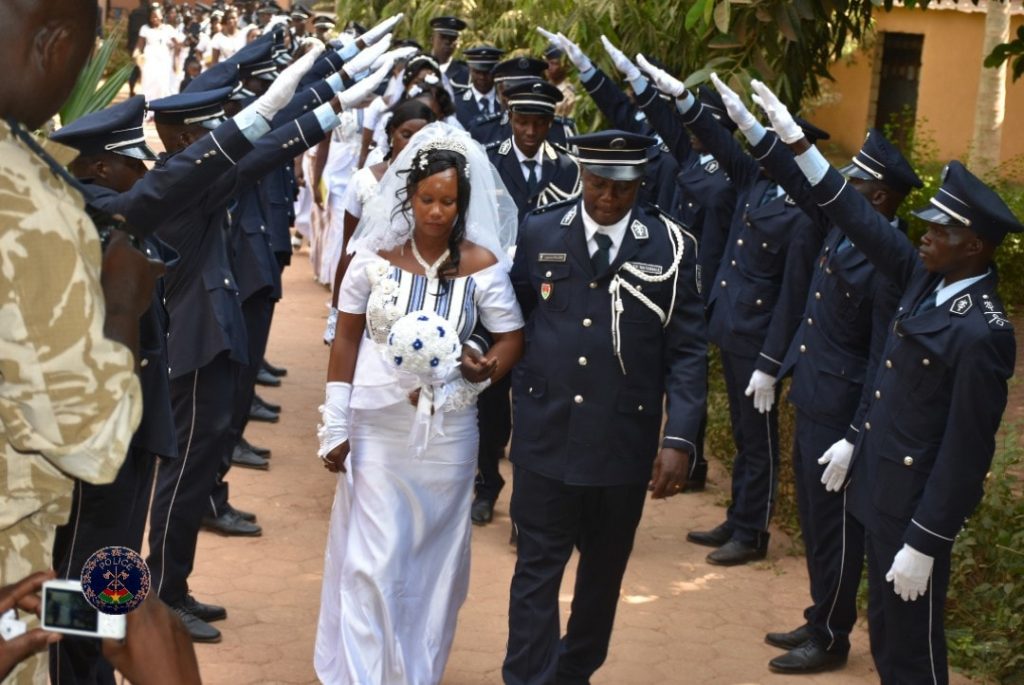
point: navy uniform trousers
(178, 502)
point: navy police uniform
(589, 393)
(770, 239)
(928, 435)
(456, 72)
(468, 108)
(831, 358)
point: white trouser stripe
(771, 469)
(177, 484)
(931, 651)
(839, 582)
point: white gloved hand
(838, 458)
(334, 414)
(663, 81)
(366, 58)
(386, 26)
(762, 387)
(361, 94)
(572, 51)
(782, 121)
(282, 90)
(332, 325)
(396, 55)
(910, 572)
(621, 62)
(738, 112)
(275, 21)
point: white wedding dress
(397, 563)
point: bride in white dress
(397, 561)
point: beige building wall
(951, 60)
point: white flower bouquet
(425, 345)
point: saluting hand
(782, 121)
(619, 59)
(663, 81)
(668, 477)
(362, 94)
(384, 27)
(572, 51)
(737, 111)
(366, 58)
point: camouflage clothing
(69, 397)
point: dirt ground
(680, 620)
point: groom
(588, 398)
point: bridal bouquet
(425, 345)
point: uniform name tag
(649, 269)
(639, 230)
(551, 257)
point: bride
(397, 561)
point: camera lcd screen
(69, 609)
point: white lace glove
(838, 458)
(619, 59)
(362, 93)
(367, 57)
(572, 51)
(738, 112)
(282, 90)
(460, 394)
(762, 387)
(386, 26)
(332, 325)
(910, 572)
(782, 121)
(663, 80)
(334, 414)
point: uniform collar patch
(712, 166)
(962, 305)
(569, 216)
(506, 147)
(639, 230)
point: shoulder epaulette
(992, 308)
(568, 121)
(555, 205)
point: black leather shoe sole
(198, 629)
(276, 408)
(204, 612)
(790, 640)
(249, 460)
(264, 377)
(232, 527)
(264, 415)
(245, 516)
(261, 451)
(734, 553)
(278, 371)
(807, 658)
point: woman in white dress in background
(407, 118)
(397, 563)
(155, 54)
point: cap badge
(523, 63)
(617, 143)
(538, 87)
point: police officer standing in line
(832, 358)
(536, 173)
(928, 436)
(589, 394)
(444, 40)
(770, 240)
(480, 99)
(657, 186)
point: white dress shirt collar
(945, 292)
(616, 232)
(538, 158)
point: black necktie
(770, 193)
(485, 106)
(531, 180)
(927, 303)
(843, 244)
(602, 258)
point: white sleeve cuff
(813, 164)
(334, 81)
(755, 134)
(327, 117)
(685, 102)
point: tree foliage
(788, 44)
(92, 92)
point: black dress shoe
(482, 511)
(230, 523)
(276, 408)
(198, 629)
(264, 377)
(205, 612)
(278, 371)
(258, 413)
(734, 553)
(807, 658)
(716, 537)
(790, 640)
(248, 459)
(244, 515)
(262, 451)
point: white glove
(396, 55)
(619, 59)
(664, 81)
(361, 94)
(782, 121)
(334, 414)
(838, 458)
(282, 90)
(910, 572)
(275, 21)
(738, 112)
(332, 326)
(366, 58)
(762, 387)
(386, 26)
(572, 51)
